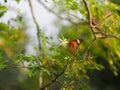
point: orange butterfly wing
(73, 46)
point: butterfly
(74, 44)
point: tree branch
(93, 25)
(60, 17)
(39, 40)
(37, 26)
(54, 80)
(90, 17)
(105, 35)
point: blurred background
(22, 39)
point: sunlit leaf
(3, 10)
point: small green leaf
(5, 0)
(17, 1)
(3, 26)
(3, 63)
(33, 71)
(18, 19)
(3, 10)
(115, 73)
(46, 71)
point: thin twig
(37, 26)
(39, 40)
(105, 35)
(90, 18)
(113, 36)
(109, 15)
(54, 80)
(91, 24)
(89, 46)
(89, 14)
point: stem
(90, 17)
(54, 80)
(38, 37)
(37, 26)
(89, 46)
(91, 22)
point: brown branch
(40, 51)
(54, 80)
(37, 26)
(111, 36)
(89, 14)
(91, 24)
(114, 36)
(60, 17)
(90, 17)
(105, 35)
(24, 67)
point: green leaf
(71, 4)
(46, 71)
(5, 0)
(3, 10)
(28, 58)
(33, 71)
(18, 19)
(115, 73)
(84, 86)
(3, 63)
(3, 26)
(17, 1)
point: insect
(74, 44)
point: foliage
(3, 10)
(12, 43)
(14, 37)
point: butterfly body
(74, 44)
